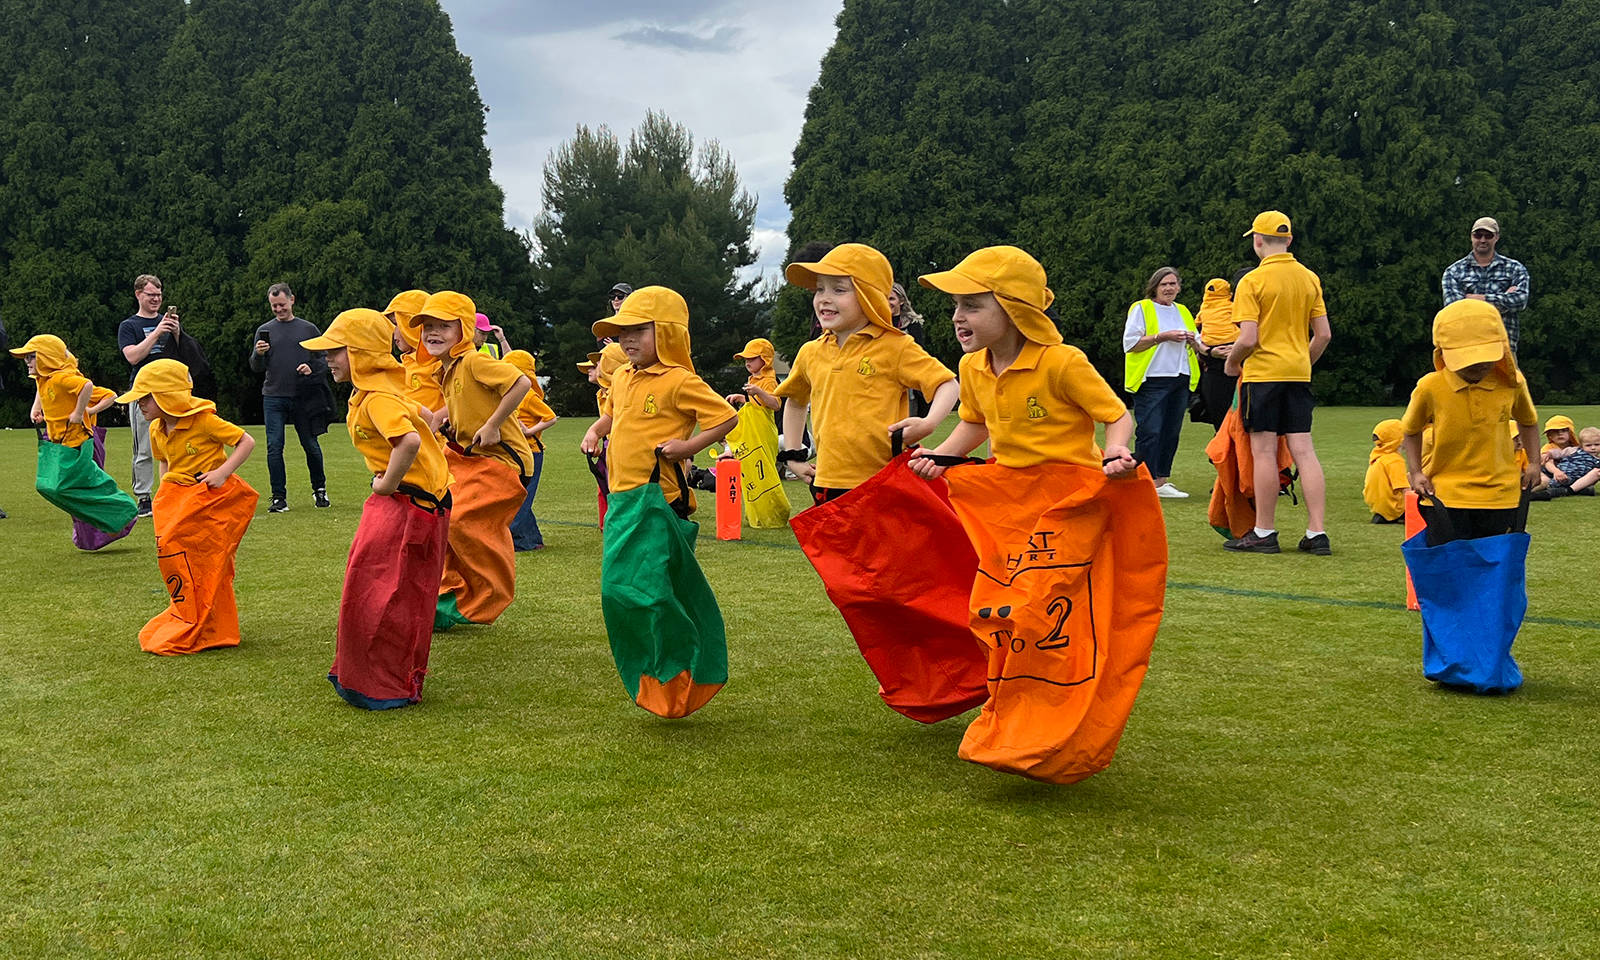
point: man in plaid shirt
(1489, 276)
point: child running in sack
(391, 582)
(65, 402)
(1387, 480)
(1474, 391)
(855, 375)
(665, 629)
(202, 510)
(762, 386)
(487, 462)
(533, 417)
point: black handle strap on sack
(1439, 519)
(897, 442)
(681, 505)
(597, 470)
(424, 499)
(950, 460)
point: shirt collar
(1027, 358)
(872, 331)
(1457, 383)
(1285, 256)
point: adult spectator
(1491, 277)
(1159, 371)
(910, 321)
(619, 292)
(147, 335)
(290, 393)
(4, 344)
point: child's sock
(1311, 534)
(1265, 533)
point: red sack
(391, 583)
(897, 564)
(1071, 578)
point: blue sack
(1473, 595)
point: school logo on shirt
(190, 449)
(416, 381)
(362, 433)
(1036, 412)
(865, 367)
(456, 386)
(650, 407)
(51, 393)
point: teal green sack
(666, 629)
(69, 478)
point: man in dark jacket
(291, 371)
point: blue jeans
(525, 533)
(1158, 411)
(278, 411)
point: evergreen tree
(659, 211)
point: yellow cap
(449, 305)
(1389, 434)
(50, 354)
(759, 347)
(1468, 332)
(660, 306)
(1272, 223)
(358, 329)
(1015, 278)
(868, 268)
(402, 308)
(1560, 422)
(169, 382)
(522, 360)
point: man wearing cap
(289, 367)
(1283, 330)
(1491, 277)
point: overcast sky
(737, 72)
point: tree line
(1112, 139)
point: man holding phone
(292, 374)
(148, 335)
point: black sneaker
(1318, 545)
(145, 510)
(320, 498)
(1250, 543)
(279, 505)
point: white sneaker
(1168, 492)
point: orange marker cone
(730, 501)
(1414, 526)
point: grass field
(1289, 784)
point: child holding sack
(666, 630)
(754, 442)
(1071, 563)
(391, 582)
(488, 463)
(202, 510)
(856, 374)
(68, 475)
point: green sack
(69, 478)
(666, 629)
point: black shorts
(1275, 406)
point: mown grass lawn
(1289, 785)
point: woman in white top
(1161, 371)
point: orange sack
(1232, 510)
(198, 530)
(480, 566)
(1072, 571)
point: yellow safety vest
(1137, 363)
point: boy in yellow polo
(420, 368)
(487, 457)
(1034, 398)
(202, 510)
(1474, 391)
(855, 375)
(1283, 330)
(391, 581)
(656, 400)
(762, 386)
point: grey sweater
(285, 355)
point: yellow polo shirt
(1043, 408)
(375, 419)
(58, 397)
(474, 385)
(197, 444)
(650, 407)
(1281, 297)
(422, 379)
(1472, 463)
(531, 412)
(856, 389)
(766, 380)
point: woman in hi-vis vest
(1160, 371)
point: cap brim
(953, 283)
(1458, 358)
(802, 274)
(132, 395)
(605, 328)
(323, 342)
(21, 351)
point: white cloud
(735, 73)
